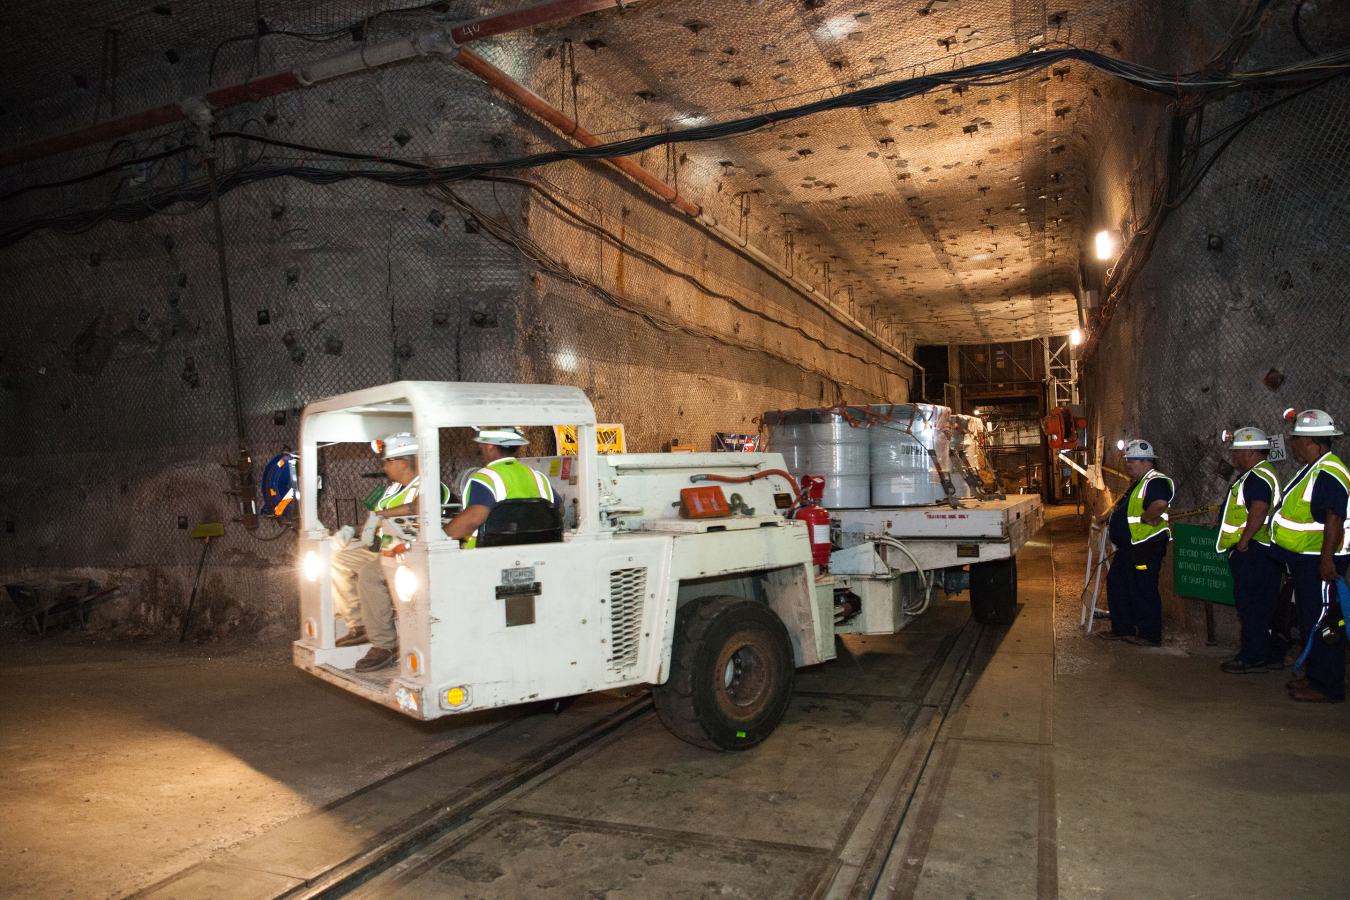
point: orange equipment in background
(1062, 427)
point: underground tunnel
(886, 450)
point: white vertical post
(308, 465)
(588, 474)
(429, 497)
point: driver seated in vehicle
(501, 478)
(398, 454)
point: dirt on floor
(1069, 534)
(126, 762)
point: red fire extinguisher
(816, 518)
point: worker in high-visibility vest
(1310, 538)
(1138, 527)
(501, 478)
(398, 455)
(1245, 536)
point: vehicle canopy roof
(417, 406)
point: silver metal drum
(820, 442)
(902, 471)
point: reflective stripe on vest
(1293, 526)
(508, 480)
(1140, 530)
(398, 495)
(1235, 512)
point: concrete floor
(1068, 767)
(1176, 780)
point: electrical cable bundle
(1194, 86)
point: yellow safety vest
(1293, 526)
(1140, 530)
(508, 479)
(1235, 511)
(397, 495)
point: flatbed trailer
(892, 559)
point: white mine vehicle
(714, 612)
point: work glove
(343, 539)
(368, 532)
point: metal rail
(869, 835)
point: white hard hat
(396, 445)
(1139, 450)
(501, 436)
(1250, 438)
(1315, 423)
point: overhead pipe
(569, 128)
(443, 42)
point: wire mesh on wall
(1241, 311)
(116, 387)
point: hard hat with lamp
(1139, 450)
(395, 446)
(1315, 423)
(1250, 438)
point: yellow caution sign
(608, 439)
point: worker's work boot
(376, 659)
(1309, 695)
(1238, 667)
(1112, 636)
(1298, 681)
(354, 638)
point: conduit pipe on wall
(443, 42)
(540, 107)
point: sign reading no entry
(1200, 571)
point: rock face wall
(1241, 311)
(115, 388)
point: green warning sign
(1200, 571)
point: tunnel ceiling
(958, 216)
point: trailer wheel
(731, 674)
(993, 591)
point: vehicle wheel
(731, 674)
(993, 591)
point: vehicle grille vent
(627, 590)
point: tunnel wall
(1189, 350)
(115, 381)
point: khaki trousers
(347, 566)
(361, 596)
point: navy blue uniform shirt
(1256, 490)
(1119, 527)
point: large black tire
(993, 591)
(731, 674)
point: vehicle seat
(521, 521)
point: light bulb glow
(1105, 246)
(312, 566)
(405, 583)
(1076, 337)
(1120, 445)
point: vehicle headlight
(312, 566)
(405, 583)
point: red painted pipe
(746, 479)
(283, 82)
(541, 108)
